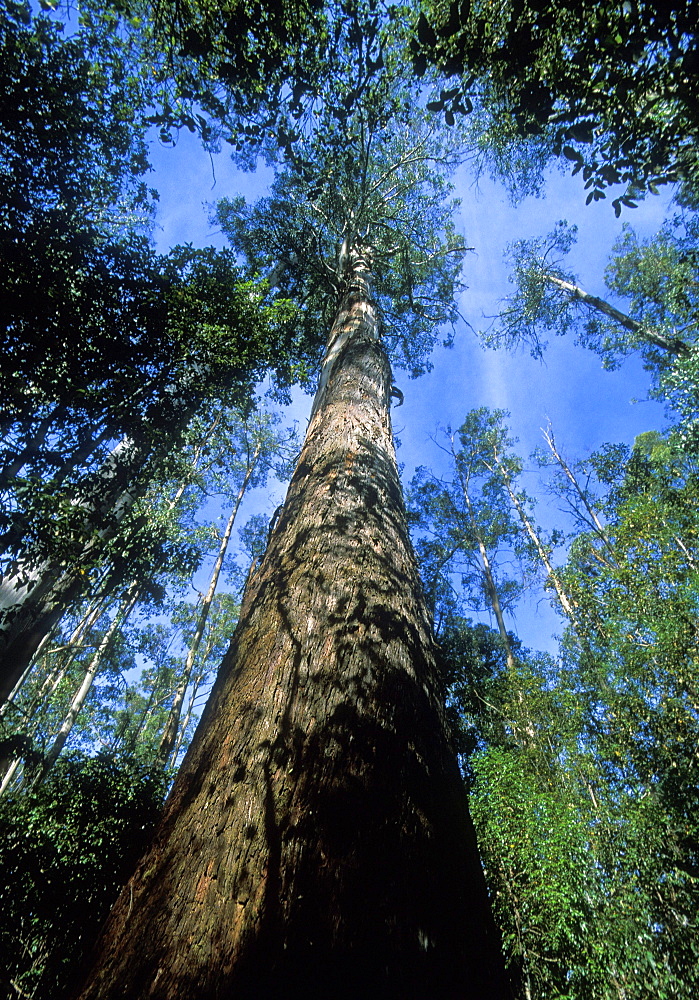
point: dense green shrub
(66, 848)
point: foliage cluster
(610, 87)
(583, 780)
(65, 850)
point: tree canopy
(611, 87)
(128, 382)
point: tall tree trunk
(316, 842)
(53, 678)
(491, 590)
(169, 737)
(83, 690)
(34, 598)
(551, 573)
(651, 336)
(525, 729)
(10, 769)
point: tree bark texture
(316, 842)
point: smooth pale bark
(525, 730)
(29, 613)
(33, 720)
(34, 597)
(316, 842)
(494, 598)
(590, 517)
(10, 770)
(54, 677)
(551, 573)
(169, 737)
(489, 585)
(193, 695)
(88, 680)
(672, 346)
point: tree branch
(672, 346)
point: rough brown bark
(316, 842)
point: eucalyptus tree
(50, 706)
(109, 347)
(220, 625)
(508, 466)
(657, 276)
(66, 687)
(636, 594)
(467, 523)
(130, 719)
(632, 666)
(582, 792)
(79, 696)
(157, 543)
(316, 841)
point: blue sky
(586, 404)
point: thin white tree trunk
(594, 521)
(490, 587)
(491, 590)
(494, 598)
(169, 736)
(9, 774)
(563, 599)
(647, 333)
(88, 680)
(51, 681)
